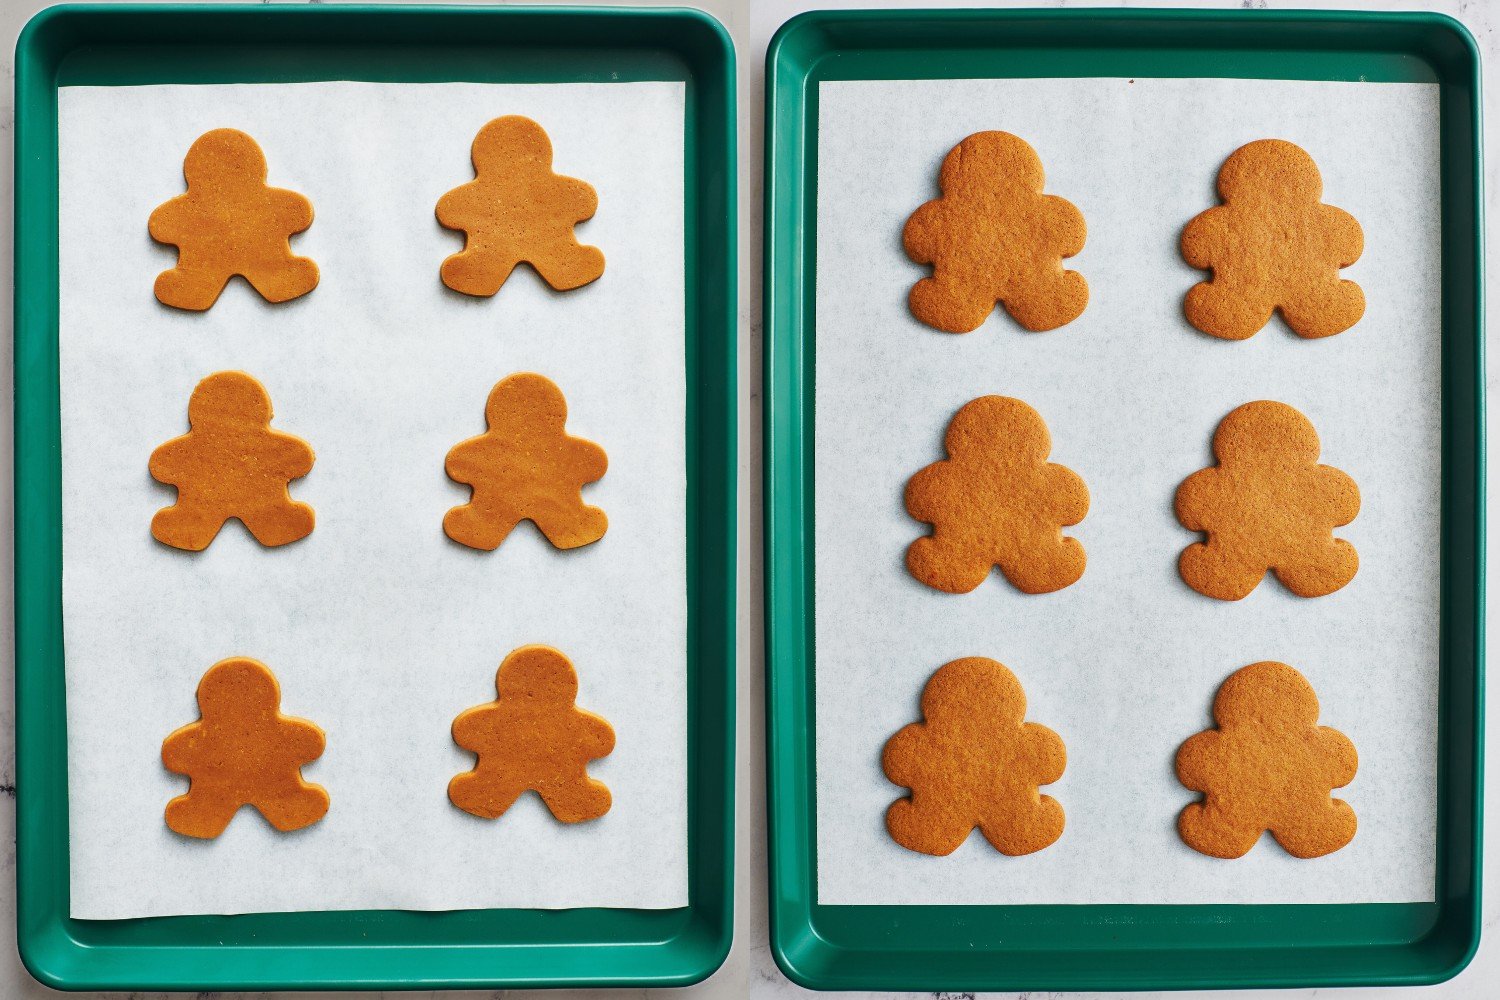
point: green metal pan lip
(799, 926)
(458, 949)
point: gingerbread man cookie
(994, 237)
(526, 467)
(1267, 505)
(1268, 766)
(974, 761)
(231, 464)
(533, 738)
(517, 210)
(997, 501)
(243, 751)
(1273, 245)
(229, 222)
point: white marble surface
(749, 970)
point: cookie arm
(1339, 757)
(596, 737)
(1343, 237)
(1046, 753)
(922, 487)
(1194, 497)
(578, 198)
(165, 223)
(166, 464)
(179, 751)
(303, 741)
(1066, 225)
(900, 752)
(1337, 495)
(1197, 760)
(474, 726)
(289, 455)
(292, 211)
(455, 209)
(922, 234)
(591, 459)
(1203, 238)
(465, 460)
(1067, 496)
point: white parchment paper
(379, 628)
(1124, 664)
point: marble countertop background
(750, 970)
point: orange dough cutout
(997, 501)
(994, 237)
(526, 467)
(517, 210)
(231, 464)
(1272, 245)
(1268, 766)
(1267, 505)
(974, 761)
(229, 222)
(243, 751)
(533, 738)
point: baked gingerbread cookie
(997, 501)
(1267, 505)
(526, 467)
(1268, 766)
(974, 761)
(517, 210)
(1273, 245)
(231, 463)
(533, 738)
(993, 237)
(230, 223)
(243, 751)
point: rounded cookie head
(975, 689)
(539, 673)
(989, 160)
(228, 396)
(527, 398)
(1270, 170)
(1266, 432)
(1267, 694)
(504, 143)
(998, 425)
(237, 685)
(225, 155)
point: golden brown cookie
(229, 222)
(997, 501)
(517, 210)
(231, 463)
(1268, 766)
(243, 751)
(1267, 505)
(533, 738)
(994, 237)
(1272, 245)
(974, 761)
(526, 467)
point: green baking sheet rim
(376, 949)
(1112, 946)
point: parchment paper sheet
(379, 628)
(1124, 664)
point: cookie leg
(949, 305)
(201, 814)
(280, 524)
(568, 265)
(1317, 832)
(575, 801)
(288, 279)
(468, 525)
(1209, 830)
(1212, 570)
(1048, 300)
(570, 529)
(186, 526)
(1046, 564)
(1224, 311)
(481, 795)
(293, 805)
(917, 825)
(190, 288)
(944, 563)
(1327, 308)
(1338, 563)
(1025, 828)
(475, 273)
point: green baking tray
(376, 949)
(1111, 946)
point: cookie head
(529, 397)
(507, 142)
(228, 397)
(237, 685)
(998, 425)
(1267, 695)
(1266, 432)
(538, 674)
(977, 689)
(224, 156)
(991, 159)
(1270, 170)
